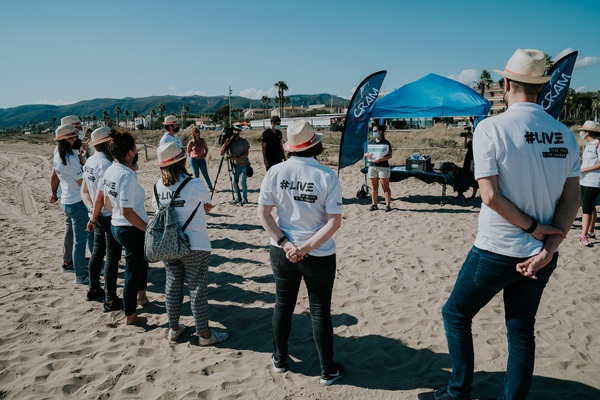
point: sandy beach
(395, 271)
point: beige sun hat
(169, 153)
(591, 126)
(170, 120)
(70, 120)
(301, 136)
(65, 132)
(526, 66)
(100, 135)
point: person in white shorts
(379, 167)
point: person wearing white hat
(70, 176)
(589, 181)
(92, 192)
(172, 126)
(192, 268)
(124, 196)
(527, 168)
(308, 198)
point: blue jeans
(199, 165)
(79, 218)
(240, 171)
(482, 276)
(105, 244)
(136, 266)
(318, 274)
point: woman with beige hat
(92, 192)
(589, 181)
(70, 175)
(308, 199)
(193, 267)
(129, 219)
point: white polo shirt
(166, 138)
(303, 191)
(190, 196)
(124, 191)
(93, 173)
(68, 175)
(532, 154)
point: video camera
(226, 134)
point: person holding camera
(239, 149)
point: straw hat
(301, 136)
(170, 120)
(169, 153)
(65, 132)
(590, 126)
(526, 66)
(70, 120)
(100, 135)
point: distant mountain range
(198, 105)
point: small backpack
(165, 240)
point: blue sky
(60, 52)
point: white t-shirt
(166, 138)
(190, 196)
(124, 191)
(590, 158)
(532, 155)
(303, 191)
(69, 175)
(93, 173)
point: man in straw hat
(527, 167)
(172, 126)
(308, 198)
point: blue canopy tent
(429, 97)
(432, 96)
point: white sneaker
(174, 335)
(216, 337)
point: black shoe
(95, 294)
(116, 305)
(388, 208)
(373, 207)
(332, 376)
(68, 267)
(278, 366)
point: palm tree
(118, 112)
(134, 115)
(94, 119)
(105, 117)
(549, 62)
(152, 116)
(282, 87)
(184, 112)
(161, 109)
(266, 100)
(127, 114)
(53, 122)
(485, 81)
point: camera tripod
(226, 156)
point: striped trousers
(193, 269)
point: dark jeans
(482, 276)
(136, 266)
(318, 274)
(105, 244)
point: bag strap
(190, 218)
(185, 182)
